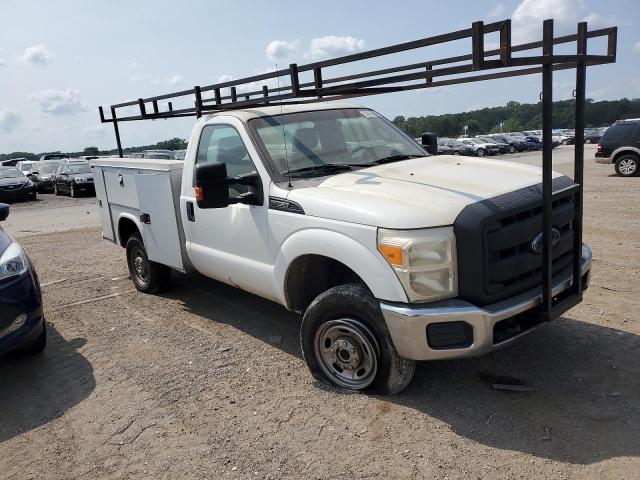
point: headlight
(13, 262)
(424, 260)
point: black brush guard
(427, 74)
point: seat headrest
(306, 137)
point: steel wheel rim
(481, 153)
(347, 352)
(628, 166)
(139, 265)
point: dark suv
(620, 145)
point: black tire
(147, 276)
(33, 197)
(628, 165)
(354, 303)
(481, 152)
(512, 149)
(39, 344)
(455, 152)
(587, 140)
(564, 142)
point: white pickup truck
(392, 255)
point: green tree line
(519, 116)
(171, 144)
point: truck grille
(497, 257)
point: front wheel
(512, 149)
(147, 276)
(345, 343)
(480, 152)
(627, 166)
(588, 140)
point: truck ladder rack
(254, 91)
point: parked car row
(62, 176)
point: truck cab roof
(274, 110)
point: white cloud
(528, 17)
(283, 49)
(38, 55)
(59, 102)
(2, 63)
(636, 46)
(175, 79)
(332, 46)
(9, 120)
(497, 11)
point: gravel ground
(208, 381)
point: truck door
(158, 220)
(228, 244)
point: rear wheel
(627, 165)
(345, 343)
(587, 140)
(480, 152)
(512, 149)
(147, 276)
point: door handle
(191, 214)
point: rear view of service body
(391, 254)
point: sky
(60, 59)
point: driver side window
(222, 144)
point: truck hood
(416, 193)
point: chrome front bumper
(408, 323)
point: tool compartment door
(158, 220)
(103, 204)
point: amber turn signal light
(199, 193)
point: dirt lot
(208, 381)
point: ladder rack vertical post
(155, 107)
(317, 81)
(198, 94)
(578, 174)
(117, 131)
(477, 45)
(428, 69)
(234, 95)
(505, 43)
(295, 80)
(216, 93)
(547, 165)
(265, 91)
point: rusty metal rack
(479, 65)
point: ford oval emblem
(537, 242)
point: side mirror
(430, 142)
(212, 189)
(4, 211)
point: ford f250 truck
(349, 221)
(390, 254)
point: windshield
(10, 173)
(310, 141)
(48, 168)
(73, 169)
(476, 141)
(55, 157)
(26, 167)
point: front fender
(365, 261)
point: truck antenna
(284, 137)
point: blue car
(22, 325)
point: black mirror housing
(430, 142)
(4, 211)
(212, 189)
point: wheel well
(625, 152)
(126, 228)
(310, 275)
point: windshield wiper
(389, 159)
(324, 168)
